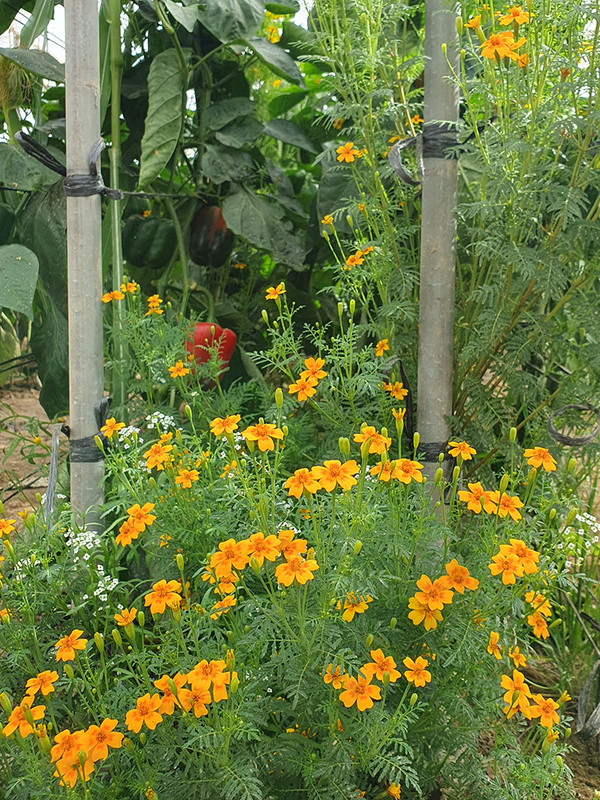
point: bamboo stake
(438, 235)
(84, 256)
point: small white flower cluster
(22, 566)
(84, 542)
(106, 584)
(127, 433)
(160, 419)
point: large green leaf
(287, 131)
(50, 346)
(36, 61)
(166, 109)
(37, 22)
(283, 7)
(18, 276)
(277, 60)
(21, 171)
(262, 224)
(230, 20)
(286, 100)
(239, 133)
(8, 11)
(186, 15)
(221, 114)
(220, 164)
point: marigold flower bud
(43, 740)
(285, 430)
(459, 26)
(455, 474)
(546, 745)
(340, 308)
(82, 757)
(369, 639)
(571, 465)
(352, 306)
(325, 235)
(5, 703)
(230, 635)
(364, 449)
(152, 482)
(178, 437)
(559, 762)
(386, 678)
(230, 660)
(99, 444)
(416, 439)
(571, 516)
(117, 637)
(512, 435)
(9, 548)
(179, 562)
(531, 476)
(413, 699)
(246, 628)
(234, 684)
(141, 618)
(69, 671)
(439, 474)
(393, 622)
(311, 553)
(28, 715)
(444, 48)
(503, 483)
(128, 744)
(142, 738)
(357, 547)
(344, 445)
(172, 686)
(567, 733)
(278, 398)
(265, 316)
(552, 513)
(349, 220)
(254, 565)
(187, 411)
(99, 642)
(554, 624)
(176, 614)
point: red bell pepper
(204, 338)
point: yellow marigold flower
(420, 612)
(296, 569)
(379, 666)
(275, 292)
(517, 694)
(523, 60)
(508, 565)
(501, 45)
(354, 605)
(185, 478)
(303, 480)
(223, 606)
(141, 516)
(474, 22)
(416, 672)
(163, 594)
(540, 457)
(337, 123)
(539, 625)
(462, 449)
(335, 678)
(226, 425)
(539, 603)
(144, 713)
(398, 413)
(517, 657)
(393, 790)
(239, 265)
(493, 647)
(545, 709)
(41, 683)
(435, 594)
(229, 469)
(110, 427)
(261, 547)
(333, 473)
(263, 434)
(514, 14)
(288, 545)
(359, 691)
(382, 346)
(313, 368)
(98, 738)
(114, 295)
(6, 526)
(528, 558)
(478, 499)
(396, 390)
(376, 441)
(207, 672)
(154, 310)
(327, 220)
(127, 532)
(17, 718)
(355, 259)
(507, 505)
(406, 471)
(305, 388)
(126, 616)
(416, 119)
(197, 699)
(67, 645)
(361, 207)
(459, 577)
(154, 300)
(179, 370)
(158, 455)
(130, 287)
(230, 555)
(168, 701)
(347, 153)
(273, 34)
(384, 470)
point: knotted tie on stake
(438, 140)
(573, 441)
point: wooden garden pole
(438, 234)
(84, 255)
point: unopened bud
(311, 553)
(459, 26)
(552, 513)
(344, 445)
(444, 48)
(349, 220)
(386, 678)
(128, 744)
(172, 687)
(99, 642)
(364, 449)
(43, 740)
(230, 635)
(559, 762)
(142, 738)
(441, 458)
(554, 624)
(439, 474)
(117, 637)
(187, 411)
(230, 660)
(384, 432)
(357, 547)
(254, 565)
(179, 562)
(278, 398)
(393, 622)
(152, 482)
(455, 474)
(9, 548)
(325, 235)
(176, 613)
(567, 733)
(531, 476)
(5, 703)
(82, 757)
(369, 639)
(265, 316)
(571, 465)
(512, 435)
(352, 306)
(69, 671)
(571, 517)
(340, 308)
(546, 745)
(141, 618)
(99, 443)
(285, 430)
(234, 683)
(413, 699)
(416, 439)
(503, 483)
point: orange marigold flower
(6, 526)
(296, 569)
(540, 457)
(406, 471)
(110, 427)
(354, 260)
(67, 746)
(263, 434)
(179, 370)
(144, 713)
(17, 718)
(114, 295)
(396, 390)
(459, 577)
(98, 738)
(354, 605)
(478, 499)
(158, 455)
(474, 22)
(394, 790)
(435, 594)
(197, 699)
(141, 516)
(507, 505)
(126, 616)
(337, 123)
(163, 594)
(335, 678)
(185, 478)
(70, 771)
(67, 645)
(501, 45)
(333, 473)
(528, 558)
(314, 368)
(539, 625)
(523, 60)
(359, 691)
(303, 480)
(275, 292)
(514, 14)
(539, 602)
(416, 119)
(462, 449)
(262, 547)
(230, 555)
(42, 682)
(347, 153)
(398, 413)
(127, 532)
(493, 647)
(168, 701)
(379, 666)
(288, 546)
(420, 612)
(517, 657)
(223, 606)
(327, 220)
(416, 672)
(207, 672)
(508, 565)
(382, 346)
(378, 443)
(305, 388)
(226, 425)
(517, 694)
(383, 470)
(545, 709)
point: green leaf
(286, 101)
(230, 20)
(186, 15)
(37, 62)
(286, 7)
(8, 11)
(220, 164)
(50, 346)
(226, 111)
(277, 60)
(19, 269)
(166, 109)
(21, 171)
(240, 132)
(287, 131)
(37, 22)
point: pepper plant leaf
(18, 276)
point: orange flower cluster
(263, 433)
(329, 476)
(354, 605)
(541, 611)
(492, 502)
(159, 454)
(402, 469)
(67, 645)
(164, 594)
(138, 519)
(66, 754)
(427, 604)
(154, 302)
(396, 390)
(512, 560)
(306, 384)
(540, 457)
(518, 697)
